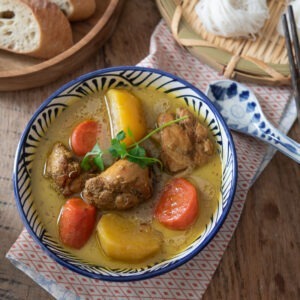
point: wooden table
(263, 258)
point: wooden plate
(21, 72)
(261, 60)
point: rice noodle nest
(233, 18)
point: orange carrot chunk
(178, 206)
(84, 137)
(76, 222)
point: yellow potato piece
(125, 111)
(125, 240)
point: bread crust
(55, 30)
(82, 9)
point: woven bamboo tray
(263, 60)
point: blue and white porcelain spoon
(242, 112)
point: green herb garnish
(95, 155)
(118, 149)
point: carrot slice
(84, 137)
(178, 206)
(76, 222)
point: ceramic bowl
(102, 80)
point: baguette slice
(76, 10)
(33, 27)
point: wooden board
(261, 60)
(22, 72)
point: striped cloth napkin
(190, 280)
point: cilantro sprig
(118, 149)
(95, 156)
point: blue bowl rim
(149, 274)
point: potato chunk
(125, 111)
(125, 240)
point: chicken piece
(123, 185)
(64, 170)
(176, 145)
(185, 144)
(198, 134)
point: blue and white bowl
(102, 80)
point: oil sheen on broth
(49, 202)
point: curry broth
(49, 202)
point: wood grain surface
(263, 257)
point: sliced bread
(76, 10)
(34, 27)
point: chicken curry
(126, 177)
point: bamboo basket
(261, 60)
